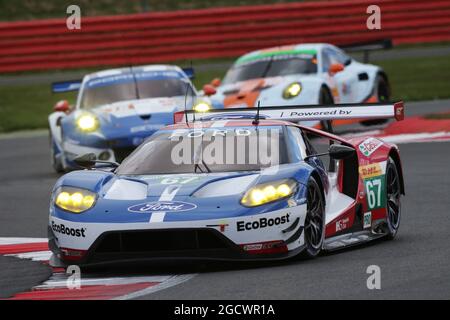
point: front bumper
(194, 245)
(246, 238)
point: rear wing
(300, 113)
(366, 47)
(66, 86)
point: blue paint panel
(66, 86)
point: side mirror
(62, 106)
(335, 68)
(216, 82)
(209, 90)
(339, 151)
(87, 160)
(335, 151)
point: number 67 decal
(375, 192)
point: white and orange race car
(302, 74)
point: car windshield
(208, 150)
(97, 94)
(271, 67)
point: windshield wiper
(267, 69)
(138, 97)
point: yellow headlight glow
(269, 192)
(292, 90)
(87, 123)
(284, 190)
(74, 200)
(201, 107)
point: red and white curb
(431, 128)
(92, 286)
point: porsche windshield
(98, 92)
(272, 66)
(208, 150)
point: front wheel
(393, 194)
(315, 220)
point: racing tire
(393, 195)
(56, 163)
(382, 92)
(325, 98)
(314, 230)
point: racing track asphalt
(415, 265)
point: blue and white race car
(231, 185)
(116, 110)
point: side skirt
(353, 239)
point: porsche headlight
(269, 192)
(292, 90)
(87, 122)
(201, 106)
(75, 200)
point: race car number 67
(179, 180)
(373, 188)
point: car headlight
(292, 90)
(201, 106)
(269, 192)
(87, 122)
(75, 200)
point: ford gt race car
(232, 185)
(115, 111)
(302, 74)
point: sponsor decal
(262, 223)
(146, 127)
(375, 192)
(222, 226)
(370, 170)
(342, 224)
(367, 219)
(62, 229)
(368, 146)
(162, 206)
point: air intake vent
(145, 116)
(160, 241)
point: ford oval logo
(162, 206)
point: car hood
(180, 185)
(153, 110)
(125, 122)
(126, 198)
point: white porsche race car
(301, 74)
(116, 110)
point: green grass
(27, 107)
(412, 79)
(415, 79)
